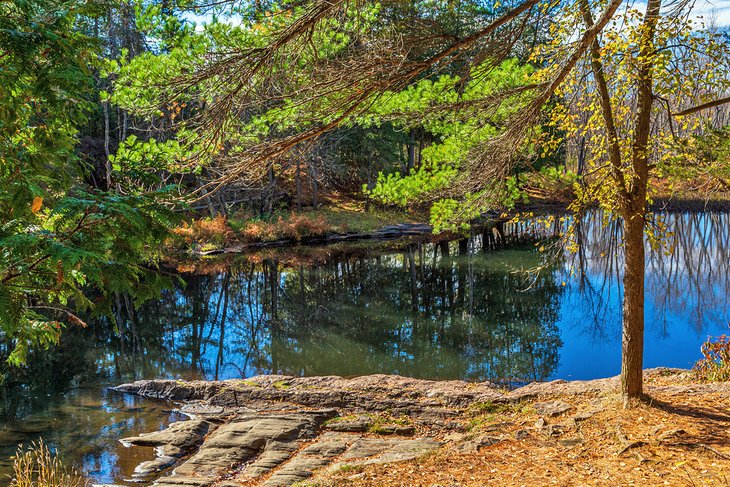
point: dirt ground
(679, 436)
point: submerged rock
(178, 439)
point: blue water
(415, 309)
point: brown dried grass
(37, 466)
(295, 227)
(205, 231)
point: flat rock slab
(262, 440)
(280, 450)
(373, 393)
(551, 408)
(278, 430)
(178, 439)
(334, 450)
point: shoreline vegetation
(391, 430)
(241, 232)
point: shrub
(260, 231)
(715, 362)
(208, 232)
(38, 467)
(299, 226)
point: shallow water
(419, 310)
(84, 424)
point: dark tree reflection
(687, 273)
(417, 311)
(435, 310)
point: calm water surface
(421, 310)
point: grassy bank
(206, 233)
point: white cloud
(200, 19)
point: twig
(628, 445)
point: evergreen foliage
(58, 237)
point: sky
(720, 9)
(717, 9)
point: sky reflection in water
(423, 311)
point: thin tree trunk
(370, 186)
(419, 159)
(208, 202)
(125, 123)
(270, 190)
(222, 203)
(299, 184)
(119, 124)
(635, 217)
(581, 158)
(411, 151)
(108, 163)
(315, 195)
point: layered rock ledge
(279, 430)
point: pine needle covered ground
(679, 436)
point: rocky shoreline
(279, 430)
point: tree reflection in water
(431, 310)
(419, 311)
(687, 278)
(436, 310)
(451, 311)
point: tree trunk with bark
(411, 162)
(632, 336)
(315, 188)
(299, 184)
(635, 206)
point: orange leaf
(36, 205)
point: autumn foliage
(296, 227)
(205, 232)
(218, 232)
(715, 362)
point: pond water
(441, 311)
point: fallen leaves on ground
(679, 436)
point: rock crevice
(277, 430)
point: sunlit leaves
(430, 104)
(56, 238)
